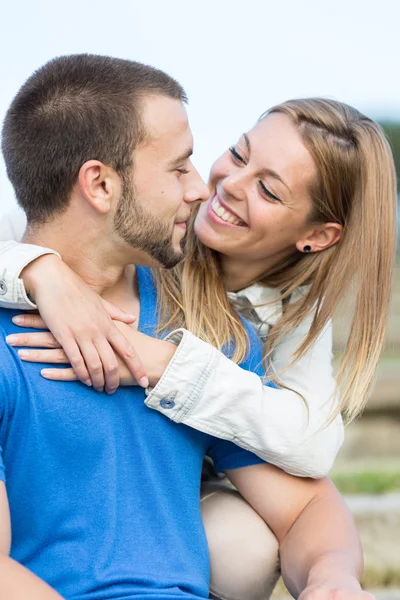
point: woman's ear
(321, 237)
(97, 184)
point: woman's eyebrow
(266, 170)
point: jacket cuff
(181, 386)
(12, 289)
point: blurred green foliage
(392, 129)
(372, 481)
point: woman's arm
(208, 391)
(218, 397)
(320, 552)
(13, 258)
(213, 394)
(14, 291)
(31, 274)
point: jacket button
(3, 288)
(167, 403)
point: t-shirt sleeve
(226, 455)
(4, 395)
(2, 468)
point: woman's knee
(243, 550)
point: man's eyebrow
(267, 171)
(180, 159)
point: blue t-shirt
(103, 491)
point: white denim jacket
(207, 391)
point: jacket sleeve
(14, 257)
(207, 391)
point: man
(104, 493)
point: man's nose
(196, 189)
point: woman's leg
(243, 550)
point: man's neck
(86, 251)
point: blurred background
(235, 60)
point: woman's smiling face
(260, 195)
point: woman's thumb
(117, 314)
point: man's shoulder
(9, 371)
(6, 325)
(9, 361)
(253, 361)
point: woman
(301, 207)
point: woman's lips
(220, 213)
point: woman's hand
(155, 353)
(82, 324)
(336, 589)
(50, 351)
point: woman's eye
(236, 155)
(267, 193)
(182, 171)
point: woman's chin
(208, 236)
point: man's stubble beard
(143, 231)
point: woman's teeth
(224, 214)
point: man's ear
(97, 184)
(321, 237)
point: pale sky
(235, 59)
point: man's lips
(182, 222)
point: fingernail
(144, 382)
(23, 353)
(45, 372)
(88, 383)
(11, 339)
(18, 320)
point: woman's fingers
(42, 339)
(29, 320)
(75, 358)
(128, 354)
(44, 356)
(110, 365)
(59, 374)
(93, 363)
(93, 358)
(117, 314)
(45, 340)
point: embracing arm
(214, 395)
(13, 258)
(319, 547)
(90, 338)
(16, 582)
(209, 392)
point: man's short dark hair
(74, 109)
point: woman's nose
(233, 185)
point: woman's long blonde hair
(356, 187)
